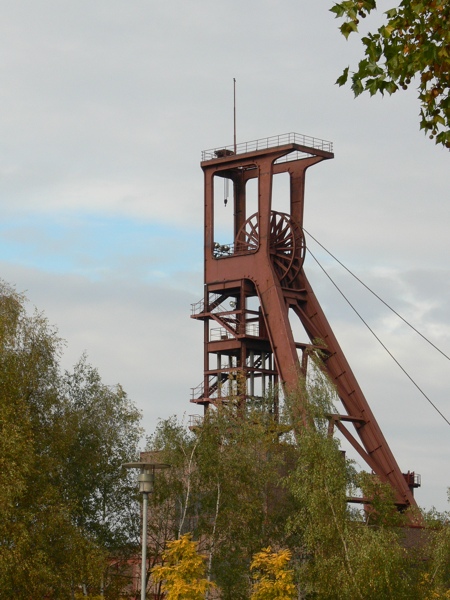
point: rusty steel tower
(256, 287)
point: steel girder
(250, 348)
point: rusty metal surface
(253, 282)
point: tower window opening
(223, 218)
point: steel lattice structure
(257, 280)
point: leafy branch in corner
(412, 44)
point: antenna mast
(234, 112)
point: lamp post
(146, 481)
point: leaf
(347, 28)
(439, 119)
(373, 68)
(417, 7)
(342, 80)
(357, 87)
(338, 10)
(391, 87)
(372, 86)
(386, 31)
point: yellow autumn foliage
(183, 572)
(273, 578)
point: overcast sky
(105, 107)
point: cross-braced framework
(255, 281)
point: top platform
(306, 141)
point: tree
(273, 577)
(413, 43)
(348, 554)
(183, 574)
(40, 548)
(101, 429)
(435, 577)
(63, 494)
(224, 486)
(15, 434)
(243, 480)
(342, 557)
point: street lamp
(146, 480)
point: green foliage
(242, 481)
(16, 436)
(183, 572)
(273, 577)
(435, 576)
(100, 429)
(412, 44)
(382, 510)
(224, 487)
(63, 438)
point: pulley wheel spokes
(286, 244)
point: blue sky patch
(95, 245)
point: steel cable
(375, 335)
(378, 297)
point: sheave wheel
(287, 245)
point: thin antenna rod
(234, 115)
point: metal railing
(269, 142)
(220, 333)
(252, 329)
(199, 391)
(199, 307)
(195, 421)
